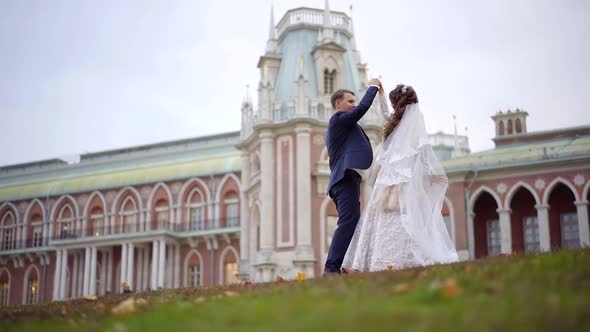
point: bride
(402, 225)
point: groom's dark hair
(339, 94)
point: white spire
(327, 14)
(357, 54)
(272, 43)
(327, 31)
(271, 31)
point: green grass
(549, 292)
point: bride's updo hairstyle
(399, 97)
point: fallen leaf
(125, 308)
(91, 297)
(231, 294)
(450, 288)
(199, 299)
(402, 288)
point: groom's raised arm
(354, 116)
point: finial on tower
(272, 43)
(327, 31)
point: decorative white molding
(579, 180)
(540, 184)
(502, 188)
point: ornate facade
(251, 205)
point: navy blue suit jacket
(348, 145)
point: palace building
(252, 204)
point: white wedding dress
(415, 233)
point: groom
(350, 154)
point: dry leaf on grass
(402, 288)
(125, 308)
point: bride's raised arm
(383, 104)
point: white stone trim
(137, 196)
(514, 190)
(76, 215)
(187, 184)
(220, 190)
(549, 188)
(16, 215)
(478, 192)
(289, 191)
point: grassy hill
(546, 292)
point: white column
(470, 235)
(544, 234)
(176, 266)
(50, 235)
(86, 289)
(123, 267)
(304, 191)
(146, 265)
(505, 230)
(64, 273)
(103, 273)
(46, 232)
(583, 227)
(155, 262)
(161, 263)
(267, 197)
(110, 271)
(74, 278)
(92, 286)
(57, 275)
(244, 216)
(130, 265)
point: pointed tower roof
(272, 42)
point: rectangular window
(231, 271)
(532, 242)
(231, 213)
(98, 226)
(194, 276)
(8, 239)
(129, 223)
(162, 217)
(37, 235)
(196, 219)
(494, 240)
(4, 294)
(570, 237)
(32, 292)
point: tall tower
(310, 54)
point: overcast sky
(87, 76)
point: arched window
(32, 286)
(193, 271)
(518, 126)
(65, 223)
(4, 288)
(129, 216)
(510, 129)
(329, 79)
(196, 210)
(501, 128)
(97, 227)
(8, 228)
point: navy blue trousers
(346, 195)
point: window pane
(494, 241)
(570, 237)
(196, 218)
(531, 234)
(231, 270)
(194, 278)
(231, 212)
(37, 236)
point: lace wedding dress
(412, 232)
